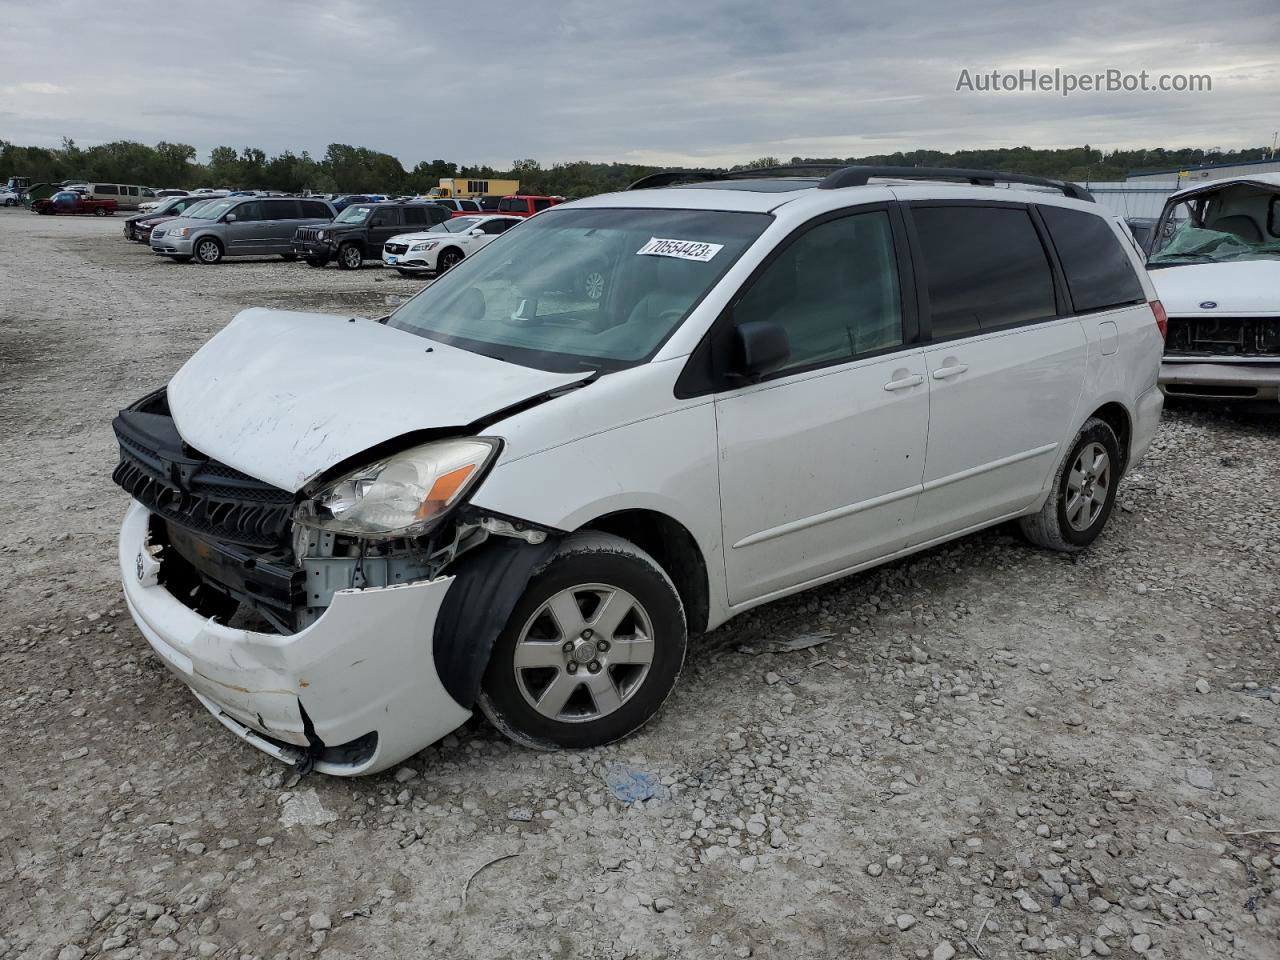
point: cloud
(660, 81)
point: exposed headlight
(426, 245)
(320, 234)
(403, 495)
(180, 232)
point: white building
(1189, 176)
(1132, 199)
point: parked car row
(415, 236)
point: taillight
(1162, 318)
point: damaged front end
(336, 626)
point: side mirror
(759, 347)
(476, 232)
(230, 218)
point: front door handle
(903, 383)
(949, 371)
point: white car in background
(8, 198)
(1215, 262)
(444, 245)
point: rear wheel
(448, 259)
(208, 251)
(1084, 491)
(350, 257)
(592, 648)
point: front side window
(248, 212)
(495, 226)
(984, 267)
(1098, 271)
(834, 289)
(541, 203)
(594, 289)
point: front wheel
(208, 251)
(350, 257)
(592, 648)
(1084, 491)
(448, 259)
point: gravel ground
(992, 752)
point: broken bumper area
(354, 693)
(1221, 381)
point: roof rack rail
(666, 178)
(857, 176)
(839, 175)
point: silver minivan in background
(239, 227)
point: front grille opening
(1224, 336)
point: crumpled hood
(284, 396)
(1236, 286)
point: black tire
(99, 212)
(288, 257)
(316, 262)
(448, 259)
(208, 251)
(350, 256)
(588, 558)
(1052, 527)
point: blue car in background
(341, 203)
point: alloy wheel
(1088, 485)
(584, 653)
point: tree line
(348, 169)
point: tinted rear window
(985, 269)
(1099, 273)
(280, 209)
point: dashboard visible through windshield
(582, 289)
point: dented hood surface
(283, 396)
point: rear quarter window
(1099, 272)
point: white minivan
(521, 492)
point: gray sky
(659, 81)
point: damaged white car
(1216, 265)
(629, 420)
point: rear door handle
(949, 371)
(904, 383)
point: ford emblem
(1208, 304)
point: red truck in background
(68, 201)
(521, 205)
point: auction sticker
(680, 249)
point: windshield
(595, 289)
(457, 224)
(211, 209)
(1240, 222)
(354, 214)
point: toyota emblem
(139, 566)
